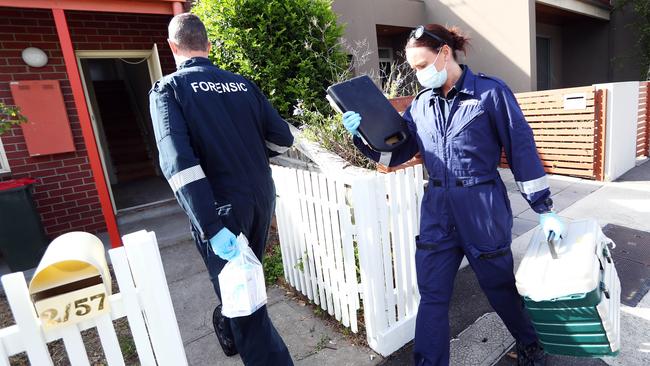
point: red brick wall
(65, 192)
(107, 31)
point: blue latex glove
(550, 221)
(351, 122)
(224, 244)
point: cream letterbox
(72, 282)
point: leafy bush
(273, 267)
(293, 50)
(290, 48)
(10, 116)
(328, 131)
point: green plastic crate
(583, 324)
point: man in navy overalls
(215, 133)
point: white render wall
(620, 135)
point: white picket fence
(143, 298)
(349, 243)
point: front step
(124, 177)
(165, 218)
(148, 211)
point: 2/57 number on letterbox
(73, 307)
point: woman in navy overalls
(460, 123)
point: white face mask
(429, 77)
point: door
(116, 85)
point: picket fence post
(149, 276)
(370, 256)
(26, 319)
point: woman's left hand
(551, 222)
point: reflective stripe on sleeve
(384, 158)
(532, 186)
(277, 148)
(185, 177)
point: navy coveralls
(215, 132)
(465, 210)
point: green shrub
(273, 267)
(290, 48)
(10, 116)
(328, 131)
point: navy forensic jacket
(215, 132)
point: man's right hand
(224, 244)
(351, 122)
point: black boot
(222, 330)
(531, 355)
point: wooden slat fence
(143, 298)
(643, 129)
(569, 129)
(348, 244)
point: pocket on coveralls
(425, 245)
(483, 218)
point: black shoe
(531, 355)
(225, 338)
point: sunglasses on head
(420, 31)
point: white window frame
(4, 163)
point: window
(351, 65)
(4, 164)
(385, 61)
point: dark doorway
(118, 94)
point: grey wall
(585, 53)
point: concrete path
(625, 202)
